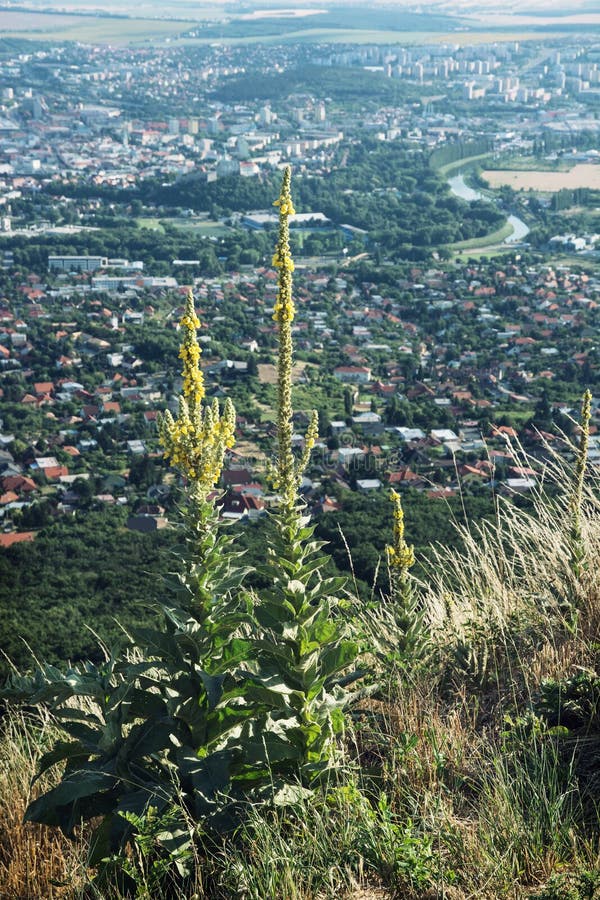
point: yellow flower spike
(196, 441)
(287, 475)
(401, 556)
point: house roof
(16, 537)
(237, 476)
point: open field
(459, 165)
(91, 29)
(281, 14)
(202, 227)
(483, 252)
(488, 240)
(531, 164)
(358, 36)
(587, 19)
(151, 223)
(267, 373)
(584, 175)
(144, 9)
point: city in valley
(446, 247)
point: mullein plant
(576, 499)
(394, 627)
(305, 644)
(195, 442)
(156, 726)
(398, 634)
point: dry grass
(584, 175)
(34, 860)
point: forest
(81, 570)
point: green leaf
(158, 643)
(143, 740)
(82, 783)
(311, 567)
(107, 837)
(89, 737)
(213, 685)
(62, 750)
(339, 657)
(206, 777)
(338, 720)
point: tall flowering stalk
(288, 473)
(304, 645)
(577, 545)
(410, 642)
(401, 556)
(195, 442)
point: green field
(531, 163)
(359, 36)
(202, 227)
(152, 224)
(461, 165)
(489, 253)
(489, 240)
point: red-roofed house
(16, 537)
(19, 483)
(53, 473)
(43, 387)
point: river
(460, 189)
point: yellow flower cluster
(286, 263)
(189, 353)
(400, 555)
(286, 207)
(195, 442)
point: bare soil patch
(267, 373)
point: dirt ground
(267, 374)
